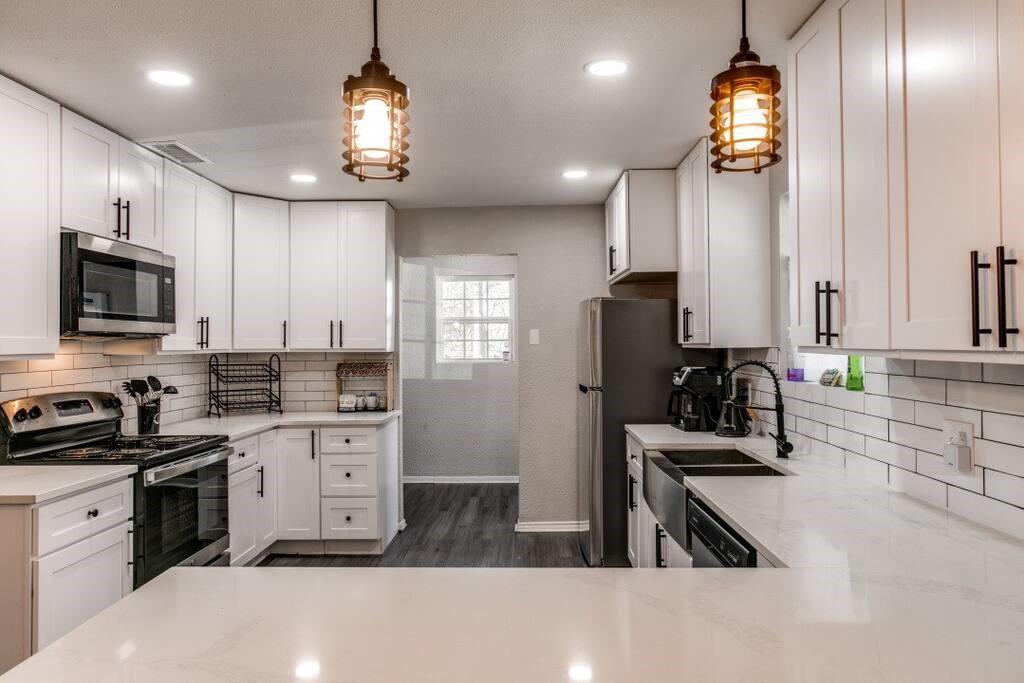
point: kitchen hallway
(458, 525)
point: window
(475, 317)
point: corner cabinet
(260, 314)
(30, 231)
(342, 276)
(110, 186)
(640, 227)
(724, 255)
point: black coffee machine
(697, 396)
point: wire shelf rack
(244, 386)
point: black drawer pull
(348, 475)
(92, 513)
(348, 518)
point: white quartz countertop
(28, 484)
(241, 426)
(380, 624)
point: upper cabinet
(261, 274)
(640, 225)
(342, 276)
(724, 255)
(30, 230)
(110, 187)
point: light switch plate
(951, 428)
(534, 337)
(958, 445)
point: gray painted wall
(560, 253)
(461, 419)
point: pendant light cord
(744, 43)
(743, 13)
(375, 23)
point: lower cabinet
(349, 519)
(298, 485)
(648, 544)
(634, 492)
(243, 487)
(266, 492)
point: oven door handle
(169, 471)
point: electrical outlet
(534, 337)
(958, 445)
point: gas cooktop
(144, 450)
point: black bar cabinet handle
(632, 496)
(117, 205)
(259, 491)
(284, 334)
(206, 332)
(611, 259)
(341, 334)
(332, 334)
(312, 444)
(1001, 263)
(128, 219)
(818, 334)
(659, 556)
(976, 329)
(829, 291)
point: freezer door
(588, 485)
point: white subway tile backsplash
(25, 380)
(918, 389)
(893, 408)
(71, 376)
(12, 366)
(999, 456)
(944, 370)
(815, 430)
(921, 438)
(1003, 374)
(923, 488)
(827, 414)
(869, 469)
(993, 513)
(931, 465)
(839, 397)
(1005, 428)
(932, 415)
(91, 360)
(876, 383)
(60, 362)
(889, 366)
(999, 398)
(892, 453)
(848, 441)
(1004, 487)
(867, 424)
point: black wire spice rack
(244, 386)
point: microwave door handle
(155, 476)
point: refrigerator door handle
(586, 390)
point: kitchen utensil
(154, 383)
(141, 388)
(130, 390)
(372, 401)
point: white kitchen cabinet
(724, 255)
(266, 504)
(110, 186)
(181, 210)
(30, 231)
(675, 556)
(634, 492)
(298, 485)
(213, 265)
(76, 583)
(342, 276)
(640, 226)
(355, 519)
(260, 273)
(645, 534)
(243, 512)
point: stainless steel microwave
(112, 289)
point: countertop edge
(84, 484)
(284, 420)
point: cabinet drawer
(348, 440)
(348, 518)
(348, 475)
(66, 521)
(247, 452)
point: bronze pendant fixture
(376, 120)
(745, 113)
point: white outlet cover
(950, 428)
(535, 337)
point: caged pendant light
(745, 113)
(376, 119)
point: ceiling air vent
(175, 150)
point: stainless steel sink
(722, 456)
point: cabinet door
(260, 273)
(949, 189)
(1011, 157)
(77, 583)
(617, 228)
(141, 188)
(30, 231)
(363, 281)
(633, 491)
(213, 264)
(314, 275)
(266, 524)
(814, 188)
(181, 202)
(645, 534)
(350, 519)
(89, 176)
(865, 178)
(298, 485)
(694, 283)
(675, 556)
(242, 514)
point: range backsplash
(892, 431)
(307, 383)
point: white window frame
(440, 319)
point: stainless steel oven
(181, 514)
(112, 289)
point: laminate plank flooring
(458, 525)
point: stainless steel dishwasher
(713, 543)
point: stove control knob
(35, 413)
(21, 415)
(108, 403)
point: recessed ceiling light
(574, 174)
(303, 178)
(174, 79)
(606, 67)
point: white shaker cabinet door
(76, 583)
(1011, 156)
(298, 485)
(181, 203)
(366, 276)
(213, 265)
(814, 174)
(694, 281)
(315, 273)
(89, 176)
(266, 500)
(260, 273)
(141, 188)
(30, 230)
(947, 158)
(243, 490)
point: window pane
(453, 331)
(474, 308)
(497, 331)
(498, 308)
(453, 350)
(474, 331)
(453, 309)
(498, 289)
(475, 290)
(476, 350)
(497, 350)
(452, 290)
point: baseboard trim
(482, 479)
(550, 527)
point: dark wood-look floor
(459, 525)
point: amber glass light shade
(745, 116)
(376, 123)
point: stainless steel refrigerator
(628, 349)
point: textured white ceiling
(499, 102)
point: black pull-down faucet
(782, 445)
